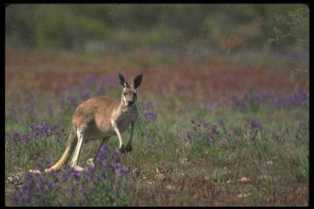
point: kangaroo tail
(66, 154)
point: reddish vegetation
(54, 72)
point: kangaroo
(100, 118)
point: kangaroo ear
(122, 80)
(138, 80)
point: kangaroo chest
(125, 118)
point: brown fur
(97, 108)
(100, 118)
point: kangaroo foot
(128, 148)
(122, 149)
(78, 168)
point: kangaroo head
(129, 93)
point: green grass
(278, 152)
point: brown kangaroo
(100, 118)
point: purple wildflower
(42, 129)
(102, 154)
(85, 94)
(298, 98)
(116, 157)
(255, 99)
(148, 110)
(51, 185)
(255, 124)
(65, 174)
(109, 81)
(150, 116)
(261, 97)
(116, 164)
(89, 81)
(119, 169)
(76, 174)
(91, 172)
(20, 137)
(24, 194)
(72, 100)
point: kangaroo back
(66, 154)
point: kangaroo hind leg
(75, 157)
(68, 150)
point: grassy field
(212, 131)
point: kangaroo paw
(128, 148)
(122, 149)
(78, 168)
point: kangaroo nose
(130, 103)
